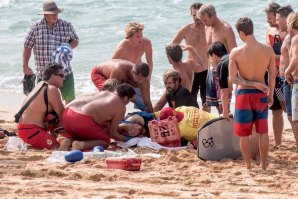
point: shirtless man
(251, 106)
(281, 19)
(133, 47)
(175, 95)
(217, 29)
(291, 72)
(92, 120)
(194, 35)
(126, 72)
(32, 126)
(185, 68)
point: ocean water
(100, 26)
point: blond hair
(172, 73)
(132, 28)
(110, 85)
(292, 20)
(207, 9)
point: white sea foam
(100, 26)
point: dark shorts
(199, 83)
(277, 95)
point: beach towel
(63, 55)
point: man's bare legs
(65, 143)
(264, 148)
(81, 145)
(245, 150)
(278, 125)
(295, 131)
(254, 144)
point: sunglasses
(60, 75)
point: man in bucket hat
(44, 37)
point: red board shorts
(97, 79)
(251, 107)
(37, 136)
(82, 127)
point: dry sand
(177, 174)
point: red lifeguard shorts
(97, 79)
(251, 107)
(37, 136)
(82, 127)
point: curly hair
(133, 27)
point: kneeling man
(33, 127)
(92, 120)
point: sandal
(7, 133)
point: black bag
(28, 83)
(277, 45)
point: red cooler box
(128, 164)
(165, 132)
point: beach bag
(165, 132)
(277, 44)
(28, 83)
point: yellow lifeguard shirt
(192, 121)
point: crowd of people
(265, 75)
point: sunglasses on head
(60, 75)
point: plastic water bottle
(16, 144)
(96, 154)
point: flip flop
(7, 133)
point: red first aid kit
(165, 132)
(128, 164)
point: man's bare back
(118, 69)
(194, 35)
(186, 69)
(252, 61)
(36, 111)
(103, 107)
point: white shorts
(295, 101)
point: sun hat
(168, 111)
(50, 7)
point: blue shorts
(139, 103)
(287, 89)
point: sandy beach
(176, 174)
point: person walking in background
(44, 37)
(194, 35)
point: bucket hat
(50, 7)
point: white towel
(62, 55)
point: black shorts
(199, 83)
(276, 105)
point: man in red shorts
(126, 72)
(251, 61)
(32, 126)
(91, 120)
